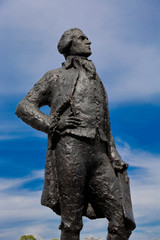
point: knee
(74, 227)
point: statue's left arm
(117, 162)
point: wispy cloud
(145, 185)
(126, 53)
(14, 128)
(21, 212)
(17, 182)
(139, 81)
(145, 182)
(120, 51)
(19, 205)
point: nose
(88, 42)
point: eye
(82, 37)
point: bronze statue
(84, 173)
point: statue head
(74, 42)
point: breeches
(86, 175)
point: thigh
(71, 161)
(104, 188)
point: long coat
(53, 89)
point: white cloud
(144, 185)
(145, 195)
(21, 212)
(16, 129)
(118, 42)
(125, 51)
(11, 183)
(140, 79)
(22, 206)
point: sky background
(125, 38)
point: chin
(83, 54)
(87, 54)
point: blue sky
(125, 40)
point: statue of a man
(84, 173)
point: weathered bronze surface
(84, 173)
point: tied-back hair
(65, 41)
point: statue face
(80, 45)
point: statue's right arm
(29, 108)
